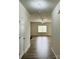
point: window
(42, 28)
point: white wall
(24, 30)
(34, 28)
(56, 31)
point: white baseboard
(54, 53)
(24, 51)
(27, 48)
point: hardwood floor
(40, 49)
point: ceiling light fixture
(39, 4)
(41, 17)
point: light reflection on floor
(42, 46)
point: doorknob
(24, 38)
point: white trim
(27, 48)
(54, 53)
(24, 51)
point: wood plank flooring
(40, 49)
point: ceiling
(44, 7)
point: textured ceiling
(44, 12)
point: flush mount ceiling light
(39, 4)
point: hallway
(40, 49)
(39, 19)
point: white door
(21, 36)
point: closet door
(21, 35)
